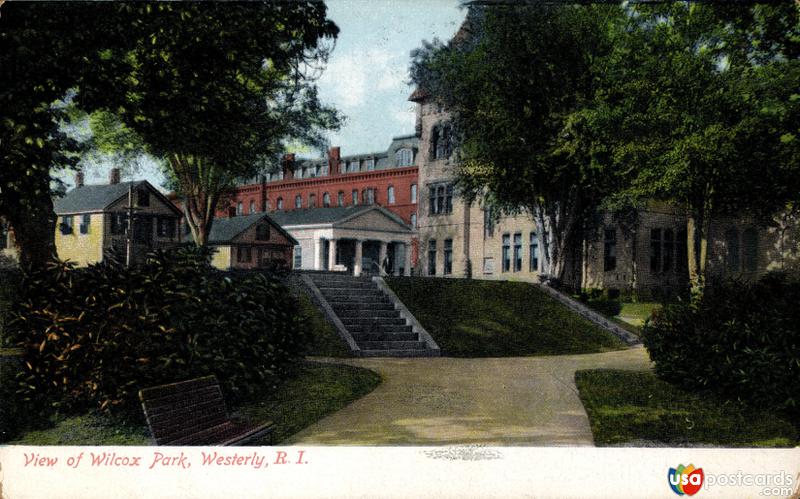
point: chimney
(288, 166)
(334, 159)
(113, 176)
(79, 178)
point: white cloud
(353, 79)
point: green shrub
(93, 337)
(740, 340)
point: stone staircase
(370, 317)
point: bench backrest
(181, 409)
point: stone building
(643, 253)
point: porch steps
(371, 318)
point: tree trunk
(697, 228)
(34, 231)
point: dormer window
(370, 164)
(353, 166)
(404, 157)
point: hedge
(93, 337)
(740, 340)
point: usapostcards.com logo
(685, 480)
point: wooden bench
(193, 413)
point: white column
(318, 254)
(407, 251)
(382, 255)
(331, 254)
(357, 263)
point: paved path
(444, 401)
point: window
(370, 164)
(368, 196)
(280, 204)
(441, 142)
(298, 201)
(390, 195)
(448, 257)
(655, 250)
(66, 224)
(609, 249)
(298, 256)
(404, 157)
(669, 249)
(86, 220)
(262, 232)
(252, 207)
(414, 220)
(166, 227)
(440, 199)
(326, 200)
(119, 222)
(413, 193)
(143, 198)
(488, 223)
(732, 244)
(239, 208)
(533, 250)
(506, 252)
(355, 197)
(517, 252)
(312, 200)
(432, 257)
(353, 166)
(681, 253)
(750, 249)
(244, 254)
(340, 198)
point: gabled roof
(326, 216)
(225, 230)
(92, 198)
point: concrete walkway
(445, 401)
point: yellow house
(93, 219)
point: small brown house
(250, 242)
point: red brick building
(387, 178)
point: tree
(43, 57)
(209, 88)
(700, 106)
(513, 80)
(215, 89)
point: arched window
(355, 197)
(280, 204)
(298, 201)
(312, 200)
(732, 244)
(414, 220)
(252, 207)
(390, 195)
(239, 208)
(326, 200)
(750, 249)
(340, 198)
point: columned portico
(382, 253)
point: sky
(366, 78)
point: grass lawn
(318, 390)
(636, 313)
(475, 318)
(637, 407)
(325, 341)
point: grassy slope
(325, 340)
(318, 390)
(631, 406)
(472, 318)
